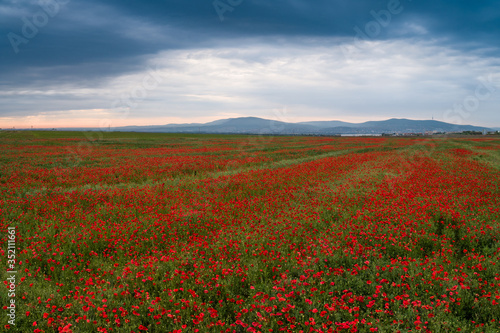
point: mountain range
(254, 125)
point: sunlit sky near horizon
(73, 63)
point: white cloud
(377, 80)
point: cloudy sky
(125, 62)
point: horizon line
(243, 117)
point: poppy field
(135, 232)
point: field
(130, 232)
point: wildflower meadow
(142, 232)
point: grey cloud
(90, 44)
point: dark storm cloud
(102, 32)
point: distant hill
(254, 125)
(406, 126)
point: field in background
(122, 232)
